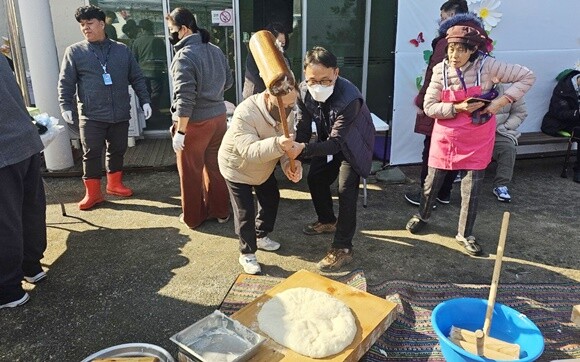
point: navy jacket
(351, 126)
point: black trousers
(445, 190)
(22, 224)
(248, 224)
(95, 136)
(320, 177)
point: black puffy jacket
(564, 111)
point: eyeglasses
(323, 82)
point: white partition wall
(542, 36)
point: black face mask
(174, 38)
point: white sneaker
(250, 263)
(268, 244)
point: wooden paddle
(479, 342)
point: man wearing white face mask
(344, 149)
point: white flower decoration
(486, 10)
(471, 2)
(577, 66)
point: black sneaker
(444, 200)
(415, 224)
(14, 301)
(414, 199)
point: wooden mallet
(480, 342)
(273, 71)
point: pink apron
(458, 144)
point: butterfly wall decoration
(418, 40)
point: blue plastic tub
(469, 313)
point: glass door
(339, 25)
(218, 18)
(140, 25)
(258, 14)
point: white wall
(543, 38)
(66, 28)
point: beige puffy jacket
(509, 118)
(250, 150)
(520, 77)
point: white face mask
(320, 93)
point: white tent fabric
(542, 36)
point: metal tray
(132, 350)
(218, 338)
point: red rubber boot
(93, 194)
(115, 185)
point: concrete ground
(128, 271)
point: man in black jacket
(563, 117)
(344, 149)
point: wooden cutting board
(373, 316)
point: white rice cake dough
(308, 322)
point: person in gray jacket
(99, 71)
(507, 120)
(201, 74)
(22, 199)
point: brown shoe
(317, 228)
(334, 259)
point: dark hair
(130, 28)
(89, 12)
(319, 55)
(277, 28)
(146, 25)
(457, 6)
(111, 14)
(184, 17)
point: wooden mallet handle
(285, 127)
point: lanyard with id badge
(107, 80)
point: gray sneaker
(267, 244)
(35, 278)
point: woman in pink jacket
(464, 131)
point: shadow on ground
(128, 271)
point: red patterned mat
(411, 337)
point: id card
(107, 79)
